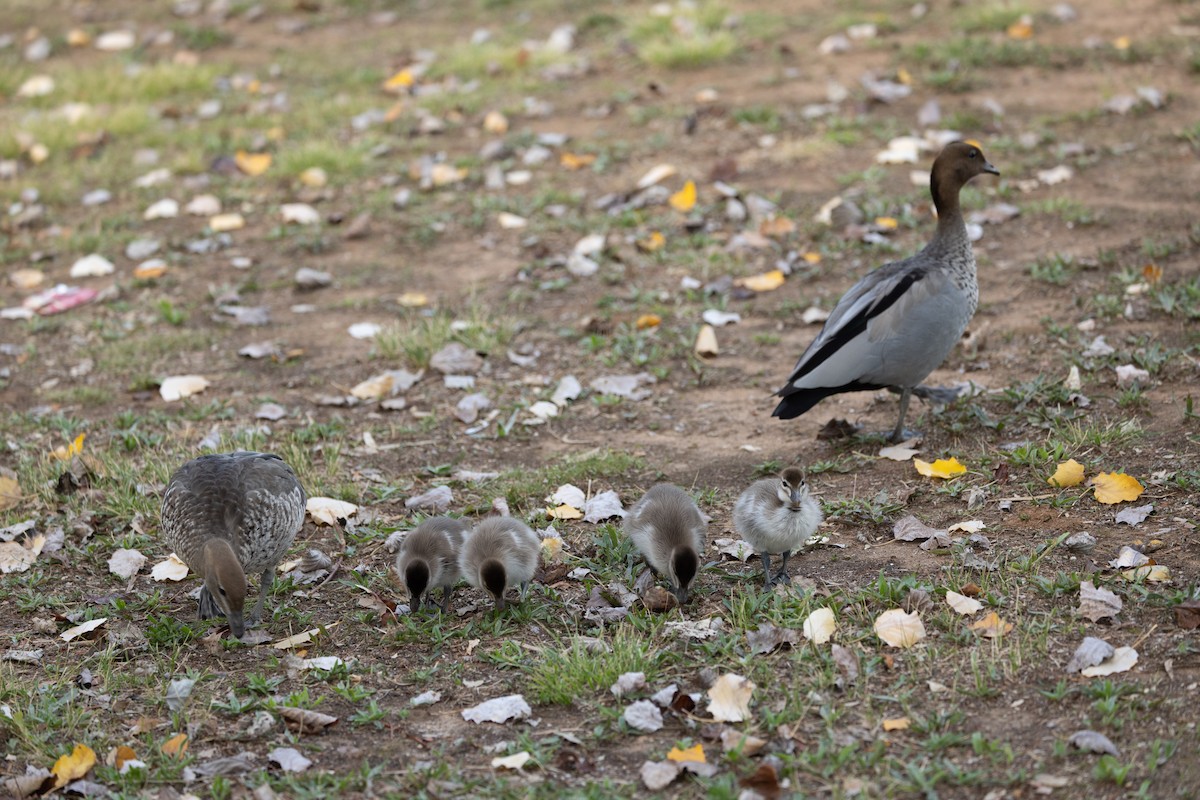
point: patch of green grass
(688, 37)
(417, 338)
(564, 675)
(1068, 209)
(1056, 269)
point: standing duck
(898, 323)
(500, 553)
(668, 529)
(428, 558)
(227, 515)
(777, 515)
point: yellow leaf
(897, 724)
(74, 766)
(275, 133)
(887, 223)
(685, 198)
(693, 753)
(577, 160)
(401, 80)
(942, 468)
(653, 242)
(1150, 573)
(766, 282)
(812, 258)
(1069, 473)
(1116, 487)
(413, 299)
(10, 492)
(70, 451)
(777, 227)
(495, 122)
(1021, 29)
(122, 754)
(254, 86)
(992, 626)
(1122, 42)
(252, 164)
(648, 321)
(177, 745)
(899, 628)
(149, 271)
(904, 76)
(1152, 273)
(564, 511)
(76, 37)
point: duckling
(226, 515)
(898, 323)
(668, 529)
(500, 552)
(777, 515)
(428, 558)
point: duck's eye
(221, 589)
(972, 154)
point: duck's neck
(951, 228)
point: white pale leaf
(820, 625)
(643, 716)
(900, 452)
(729, 698)
(1122, 660)
(163, 209)
(570, 495)
(568, 389)
(605, 505)
(289, 759)
(92, 266)
(969, 526)
(899, 628)
(499, 710)
(299, 213)
(178, 387)
(328, 511)
(126, 563)
(173, 569)
(82, 628)
(962, 604)
(515, 761)
(656, 174)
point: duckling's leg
(264, 588)
(446, 592)
(524, 591)
(782, 575)
(766, 559)
(208, 608)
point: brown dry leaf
(897, 724)
(729, 698)
(763, 782)
(694, 753)
(1021, 29)
(942, 468)
(1187, 615)
(685, 198)
(1097, 604)
(151, 270)
(765, 282)
(75, 765)
(777, 227)
(176, 746)
(121, 754)
(252, 164)
(302, 720)
(899, 628)
(10, 492)
(1152, 274)
(992, 626)
(1069, 473)
(1116, 487)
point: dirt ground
(1131, 203)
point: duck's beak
(988, 168)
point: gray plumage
(669, 532)
(500, 552)
(229, 515)
(777, 515)
(428, 559)
(898, 323)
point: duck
(776, 516)
(227, 515)
(668, 530)
(500, 552)
(899, 322)
(428, 559)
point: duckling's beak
(681, 594)
(988, 168)
(237, 623)
(499, 602)
(797, 499)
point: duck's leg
(899, 434)
(938, 395)
(782, 575)
(265, 582)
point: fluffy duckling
(777, 515)
(428, 559)
(227, 515)
(500, 552)
(668, 530)
(898, 323)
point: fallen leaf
(685, 198)
(1091, 651)
(1122, 660)
(73, 766)
(897, 724)
(564, 511)
(992, 626)
(628, 682)
(1069, 473)
(1150, 573)
(729, 698)
(1135, 515)
(181, 386)
(1093, 742)
(962, 604)
(515, 761)
(498, 710)
(173, 569)
(303, 720)
(1187, 615)
(899, 628)
(304, 637)
(911, 529)
(576, 160)
(847, 661)
(900, 452)
(328, 511)
(289, 759)
(644, 716)
(767, 638)
(1129, 557)
(1021, 29)
(605, 505)
(10, 492)
(121, 754)
(1097, 604)
(71, 450)
(652, 243)
(820, 625)
(655, 175)
(658, 775)
(126, 563)
(176, 746)
(252, 164)
(706, 342)
(942, 468)
(92, 266)
(82, 628)
(1116, 487)
(765, 282)
(299, 214)
(694, 753)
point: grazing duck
(501, 552)
(428, 558)
(668, 530)
(777, 515)
(898, 323)
(227, 515)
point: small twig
(332, 571)
(1142, 638)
